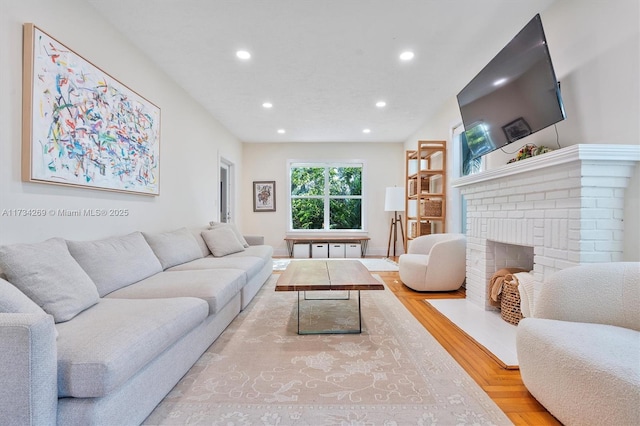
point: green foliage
(307, 181)
(345, 181)
(339, 187)
(307, 213)
(346, 213)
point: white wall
(595, 48)
(191, 139)
(384, 166)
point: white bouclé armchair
(435, 262)
(579, 355)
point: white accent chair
(579, 355)
(436, 262)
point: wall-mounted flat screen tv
(514, 95)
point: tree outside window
(326, 196)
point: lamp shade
(394, 199)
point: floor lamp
(394, 202)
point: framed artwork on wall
(264, 196)
(82, 127)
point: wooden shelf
(425, 189)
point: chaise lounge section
(98, 332)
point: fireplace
(509, 256)
(546, 213)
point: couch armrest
(28, 367)
(602, 293)
(254, 240)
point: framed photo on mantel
(264, 196)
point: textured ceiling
(322, 63)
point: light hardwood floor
(504, 386)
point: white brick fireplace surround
(546, 213)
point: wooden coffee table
(327, 275)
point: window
(326, 196)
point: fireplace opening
(506, 256)
(510, 255)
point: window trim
(328, 163)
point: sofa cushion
(222, 241)
(234, 228)
(106, 345)
(249, 264)
(175, 247)
(216, 287)
(13, 301)
(48, 274)
(115, 262)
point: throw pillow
(47, 274)
(13, 301)
(115, 262)
(197, 234)
(175, 247)
(222, 241)
(234, 228)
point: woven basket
(431, 208)
(510, 301)
(425, 228)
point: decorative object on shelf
(529, 150)
(394, 202)
(431, 208)
(82, 127)
(425, 229)
(264, 196)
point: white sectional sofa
(98, 332)
(579, 355)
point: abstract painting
(83, 127)
(264, 196)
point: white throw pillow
(525, 289)
(47, 274)
(175, 247)
(235, 230)
(222, 241)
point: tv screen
(514, 95)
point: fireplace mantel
(565, 206)
(580, 152)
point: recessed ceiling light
(243, 54)
(366, 131)
(281, 131)
(267, 104)
(381, 104)
(500, 82)
(407, 55)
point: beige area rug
(261, 372)
(372, 264)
